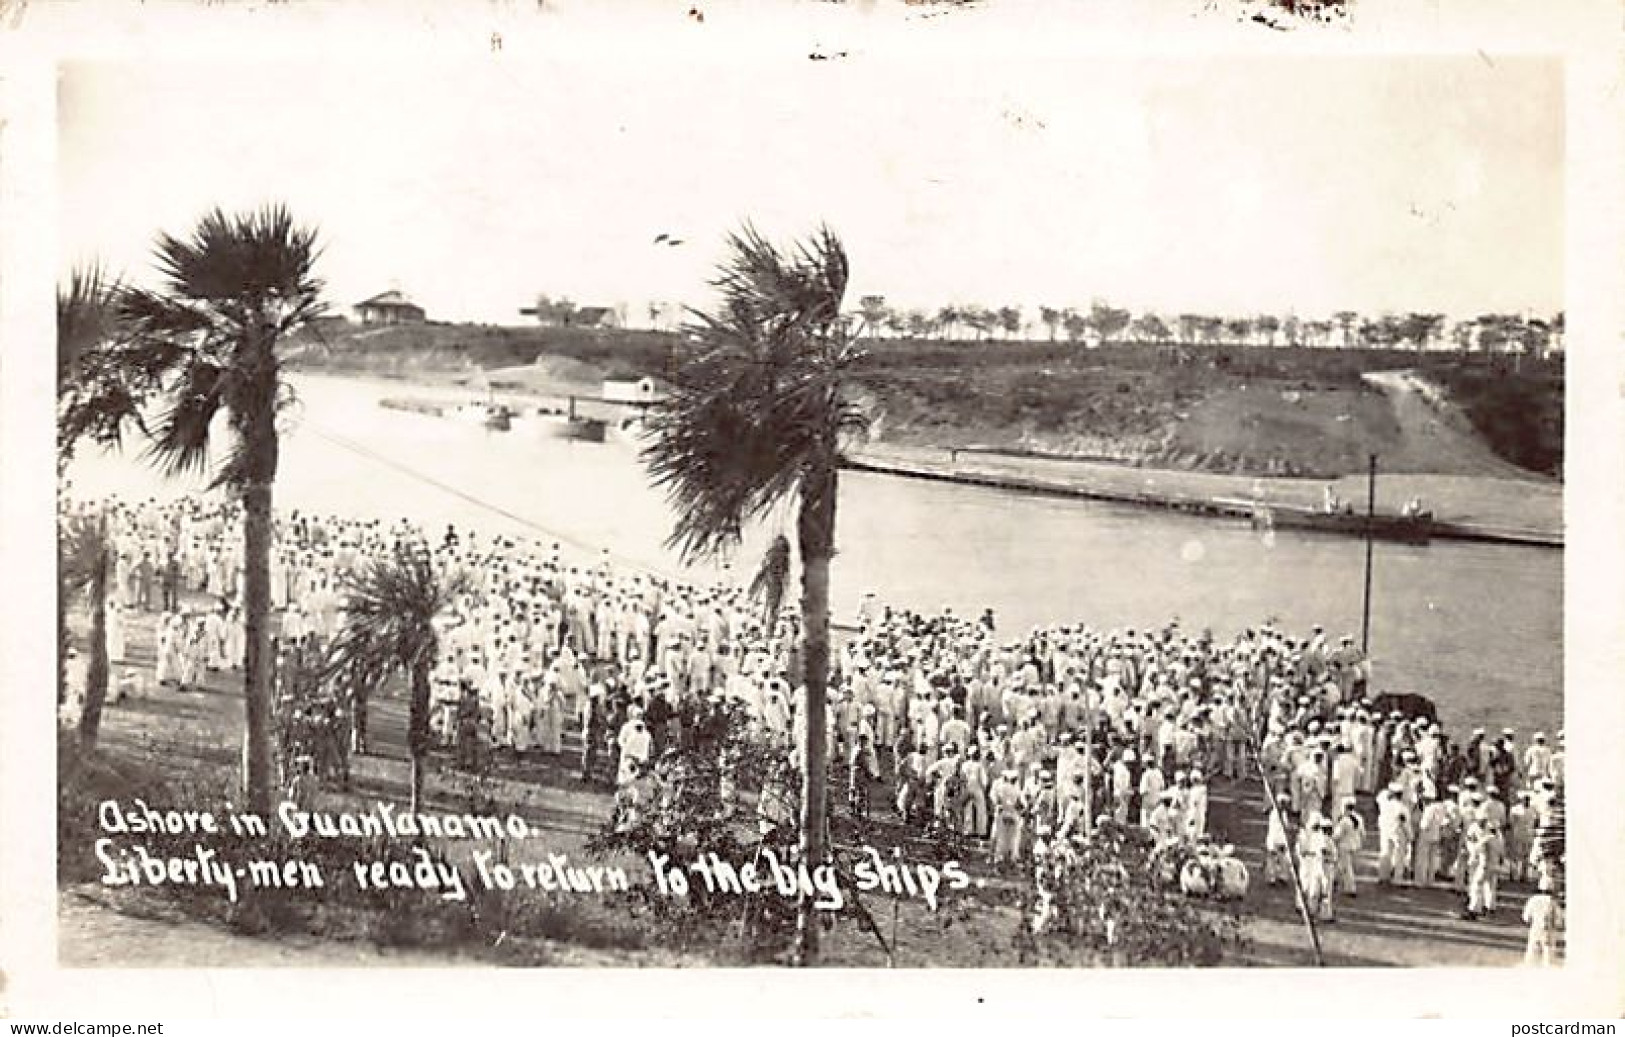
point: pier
(1385, 525)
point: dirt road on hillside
(1434, 436)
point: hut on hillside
(392, 307)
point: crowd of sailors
(1019, 742)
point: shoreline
(1204, 494)
(1509, 512)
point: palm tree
(391, 608)
(1108, 321)
(873, 309)
(756, 415)
(1266, 325)
(1009, 320)
(1346, 320)
(1050, 317)
(84, 563)
(1075, 323)
(920, 324)
(206, 343)
(979, 319)
(1150, 328)
(86, 319)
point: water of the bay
(1477, 627)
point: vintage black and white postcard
(874, 488)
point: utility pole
(1370, 523)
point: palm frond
(250, 267)
(759, 397)
(390, 607)
(233, 288)
(86, 316)
(180, 444)
(164, 328)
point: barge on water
(1412, 528)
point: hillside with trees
(1264, 395)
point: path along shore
(1464, 507)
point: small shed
(626, 387)
(391, 307)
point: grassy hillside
(1519, 413)
(1265, 411)
(403, 349)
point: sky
(1184, 184)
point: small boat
(554, 425)
(576, 427)
(586, 430)
(427, 407)
(498, 418)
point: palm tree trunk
(257, 645)
(418, 731)
(816, 534)
(256, 425)
(90, 721)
